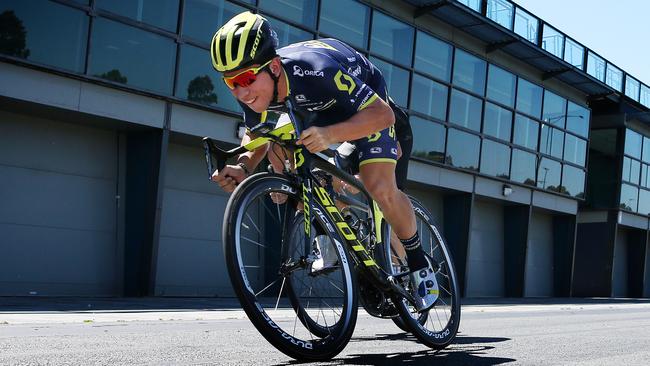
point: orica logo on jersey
(298, 71)
(375, 150)
(355, 72)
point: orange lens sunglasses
(244, 78)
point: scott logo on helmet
(258, 36)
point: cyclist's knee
(383, 191)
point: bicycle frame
(305, 161)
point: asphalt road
(562, 332)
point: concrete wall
(58, 208)
(539, 256)
(485, 263)
(190, 257)
(620, 269)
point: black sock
(414, 253)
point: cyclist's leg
(379, 180)
(405, 140)
(377, 163)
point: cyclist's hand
(315, 139)
(229, 177)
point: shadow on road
(464, 351)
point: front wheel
(438, 326)
(303, 303)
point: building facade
(531, 150)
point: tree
(201, 90)
(114, 75)
(12, 35)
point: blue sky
(618, 30)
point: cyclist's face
(256, 95)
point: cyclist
(340, 96)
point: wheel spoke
(280, 293)
(254, 242)
(267, 287)
(248, 216)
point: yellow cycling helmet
(246, 39)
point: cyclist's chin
(259, 105)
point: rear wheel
(306, 311)
(438, 326)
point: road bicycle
(302, 252)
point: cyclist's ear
(275, 66)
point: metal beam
(422, 10)
(551, 74)
(499, 45)
(600, 96)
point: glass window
(631, 170)
(646, 150)
(614, 77)
(526, 25)
(497, 121)
(462, 149)
(469, 72)
(428, 140)
(299, 11)
(573, 182)
(495, 159)
(350, 25)
(198, 82)
(397, 80)
(526, 131)
(552, 41)
(55, 35)
(548, 175)
(501, 86)
(288, 34)
(633, 143)
(161, 13)
(429, 97)
(577, 119)
(391, 38)
(574, 53)
(644, 202)
(596, 66)
(529, 98)
(632, 87)
(645, 174)
(551, 141)
(465, 110)
(575, 149)
(472, 4)
(204, 17)
(645, 96)
(123, 54)
(554, 109)
(629, 196)
(523, 167)
(433, 56)
(501, 12)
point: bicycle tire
(435, 246)
(277, 331)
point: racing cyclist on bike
(340, 96)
